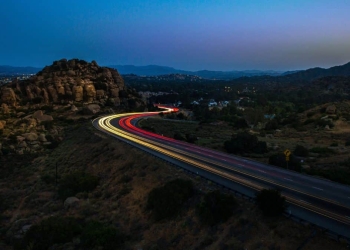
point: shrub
(54, 230)
(279, 160)
(191, 138)
(310, 114)
(308, 121)
(322, 150)
(270, 202)
(241, 123)
(215, 207)
(77, 182)
(271, 125)
(301, 151)
(167, 201)
(178, 136)
(245, 142)
(334, 144)
(96, 234)
(347, 143)
(323, 123)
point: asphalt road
(319, 201)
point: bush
(323, 123)
(347, 143)
(279, 160)
(61, 230)
(77, 182)
(215, 207)
(308, 121)
(167, 201)
(334, 144)
(322, 150)
(244, 143)
(96, 234)
(191, 138)
(301, 151)
(271, 125)
(178, 136)
(54, 230)
(241, 123)
(270, 202)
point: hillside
(126, 176)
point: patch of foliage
(77, 182)
(245, 143)
(191, 138)
(167, 201)
(61, 230)
(178, 136)
(241, 123)
(97, 234)
(301, 151)
(271, 125)
(215, 207)
(271, 202)
(323, 123)
(322, 150)
(54, 230)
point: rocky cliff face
(66, 81)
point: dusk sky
(190, 35)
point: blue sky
(191, 35)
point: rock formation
(67, 81)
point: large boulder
(2, 124)
(90, 92)
(53, 93)
(331, 109)
(71, 202)
(5, 109)
(42, 117)
(42, 138)
(73, 108)
(30, 136)
(8, 96)
(78, 93)
(91, 109)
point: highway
(319, 201)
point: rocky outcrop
(65, 81)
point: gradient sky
(185, 34)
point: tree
(167, 201)
(271, 202)
(215, 207)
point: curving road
(322, 202)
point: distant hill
(10, 70)
(155, 70)
(315, 73)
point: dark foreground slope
(126, 176)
